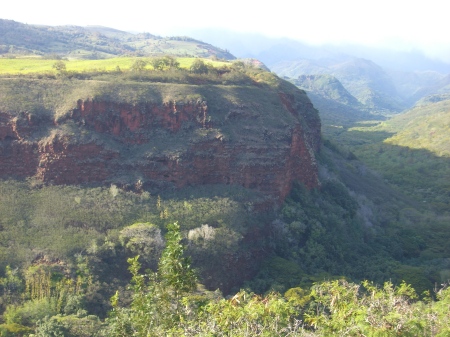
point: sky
(395, 24)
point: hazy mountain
(411, 86)
(365, 80)
(381, 79)
(369, 84)
(96, 42)
(337, 107)
(272, 50)
(327, 86)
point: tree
(171, 62)
(164, 63)
(174, 269)
(60, 67)
(11, 284)
(158, 298)
(138, 65)
(199, 67)
(145, 240)
(50, 327)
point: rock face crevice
(127, 120)
(103, 142)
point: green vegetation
(380, 214)
(426, 126)
(337, 107)
(64, 251)
(411, 151)
(60, 222)
(41, 66)
(168, 302)
(398, 168)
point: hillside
(139, 194)
(410, 150)
(384, 80)
(338, 109)
(413, 86)
(426, 126)
(369, 83)
(95, 42)
(328, 87)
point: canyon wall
(104, 142)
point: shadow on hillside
(354, 138)
(334, 112)
(408, 188)
(418, 175)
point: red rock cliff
(168, 145)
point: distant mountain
(337, 107)
(365, 80)
(369, 83)
(96, 42)
(273, 50)
(442, 86)
(382, 80)
(327, 86)
(412, 86)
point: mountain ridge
(95, 42)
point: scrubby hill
(95, 42)
(426, 126)
(237, 131)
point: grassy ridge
(37, 65)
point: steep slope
(327, 86)
(368, 83)
(159, 135)
(337, 107)
(426, 126)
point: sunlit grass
(25, 66)
(36, 65)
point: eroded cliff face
(132, 122)
(171, 145)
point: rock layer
(169, 145)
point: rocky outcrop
(169, 145)
(132, 122)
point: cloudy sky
(396, 24)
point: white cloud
(411, 24)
